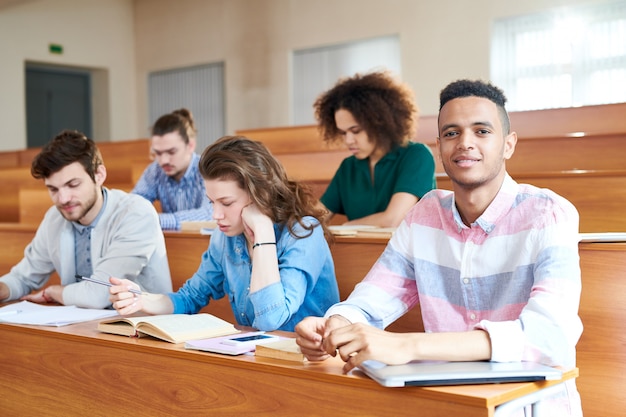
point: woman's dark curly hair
(252, 166)
(384, 107)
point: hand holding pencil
(126, 296)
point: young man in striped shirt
(493, 265)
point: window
(564, 58)
(199, 89)
(318, 69)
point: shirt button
(465, 281)
(242, 314)
(473, 316)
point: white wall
(94, 33)
(441, 41)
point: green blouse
(352, 192)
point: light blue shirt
(82, 241)
(181, 201)
(307, 284)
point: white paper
(26, 312)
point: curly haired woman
(375, 115)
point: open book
(174, 328)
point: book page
(178, 328)
(124, 326)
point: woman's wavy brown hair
(256, 171)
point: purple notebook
(234, 344)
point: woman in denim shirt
(270, 255)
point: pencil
(108, 284)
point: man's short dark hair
(67, 147)
(477, 88)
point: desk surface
(600, 354)
(75, 370)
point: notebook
(457, 373)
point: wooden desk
(601, 351)
(75, 370)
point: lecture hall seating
(119, 158)
(577, 152)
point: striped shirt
(181, 201)
(514, 273)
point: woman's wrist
(257, 244)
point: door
(56, 99)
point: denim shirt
(307, 284)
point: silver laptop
(457, 373)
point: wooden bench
(18, 182)
(9, 159)
(132, 149)
(599, 196)
(34, 202)
(577, 152)
(120, 158)
(549, 140)
(13, 179)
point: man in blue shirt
(173, 178)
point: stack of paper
(361, 230)
(198, 226)
(285, 349)
(26, 312)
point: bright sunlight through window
(565, 58)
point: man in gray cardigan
(92, 231)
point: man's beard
(83, 209)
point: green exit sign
(55, 48)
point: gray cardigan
(127, 242)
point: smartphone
(250, 340)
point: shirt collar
(499, 207)
(191, 168)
